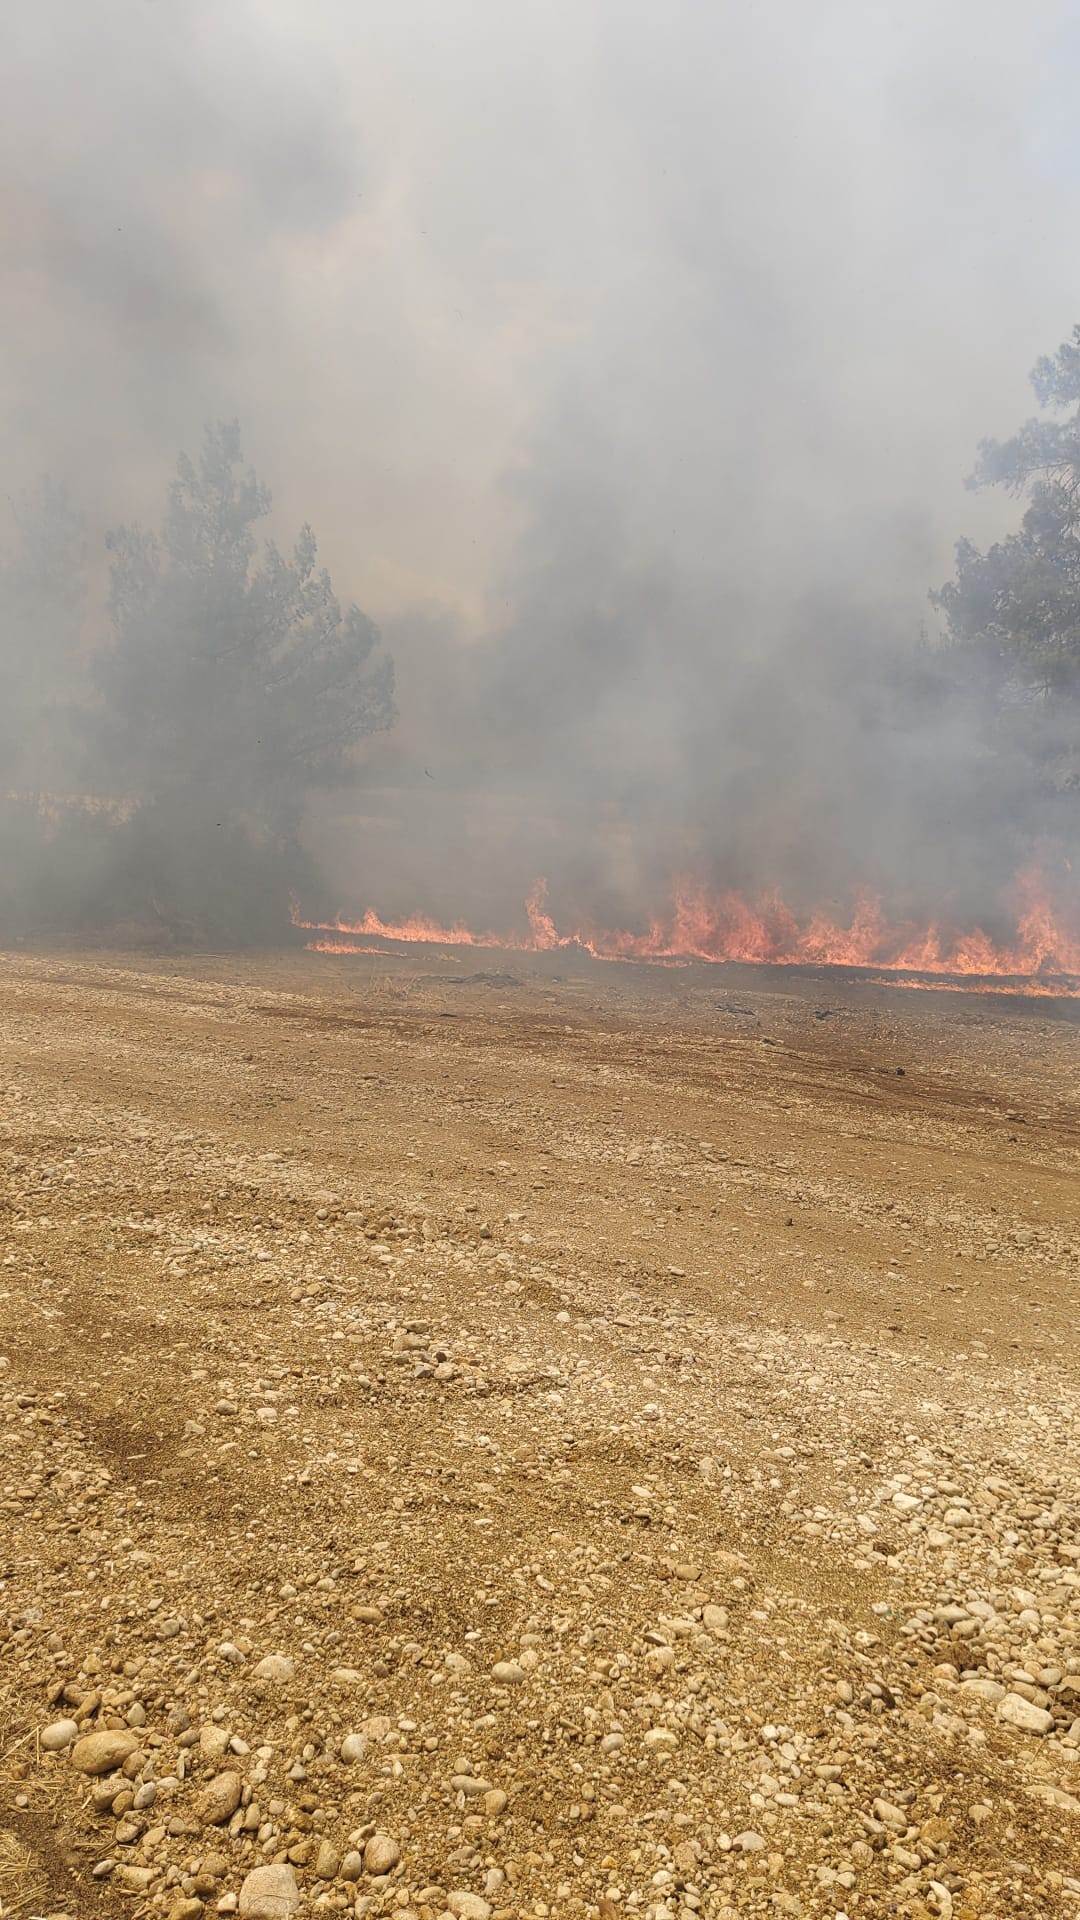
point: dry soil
(497, 1444)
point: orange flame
(1042, 958)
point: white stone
(381, 1854)
(891, 1816)
(1018, 1712)
(60, 1735)
(468, 1906)
(989, 1690)
(269, 1893)
(276, 1667)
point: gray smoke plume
(628, 361)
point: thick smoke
(628, 362)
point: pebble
(213, 1742)
(353, 1747)
(219, 1801)
(983, 1689)
(275, 1667)
(891, 1816)
(468, 1906)
(327, 1862)
(60, 1735)
(508, 1673)
(104, 1751)
(269, 1893)
(1018, 1712)
(381, 1854)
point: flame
(1043, 957)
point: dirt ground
(635, 1413)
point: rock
(714, 1618)
(508, 1673)
(327, 1862)
(104, 1751)
(381, 1854)
(213, 1742)
(956, 1517)
(269, 1893)
(468, 1906)
(186, 1908)
(494, 1803)
(469, 1785)
(352, 1866)
(353, 1747)
(749, 1842)
(891, 1816)
(1052, 1796)
(60, 1735)
(137, 1879)
(219, 1801)
(984, 1689)
(275, 1667)
(1018, 1712)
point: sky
(606, 336)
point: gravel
(695, 1590)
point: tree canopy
(235, 677)
(1020, 600)
(235, 682)
(42, 607)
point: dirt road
(493, 1444)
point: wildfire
(1043, 957)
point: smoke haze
(627, 359)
